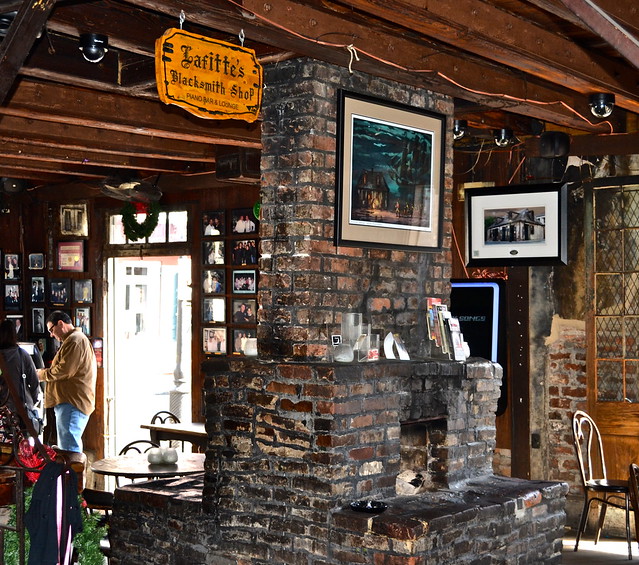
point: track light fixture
(503, 137)
(93, 46)
(460, 129)
(601, 104)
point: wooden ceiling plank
(20, 37)
(482, 29)
(478, 83)
(601, 24)
(24, 151)
(110, 142)
(69, 105)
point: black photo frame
(59, 292)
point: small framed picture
(37, 290)
(244, 281)
(214, 341)
(12, 266)
(213, 252)
(37, 320)
(71, 256)
(244, 252)
(12, 297)
(244, 221)
(18, 324)
(36, 261)
(83, 291)
(74, 220)
(59, 292)
(239, 339)
(213, 281)
(244, 311)
(82, 320)
(213, 223)
(213, 310)
(98, 349)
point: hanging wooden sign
(209, 78)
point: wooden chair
(595, 483)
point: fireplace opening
(423, 456)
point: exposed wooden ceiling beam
(22, 33)
(479, 28)
(603, 25)
(105, 111)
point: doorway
(148, 330)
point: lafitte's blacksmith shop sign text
(209, 78)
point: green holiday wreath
(132, 228)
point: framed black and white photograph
(244, 252)
(390, 174)
(244, 281)
(12, 297)
(37, 321)
(244, 311)
(18, 324)
(213, 223)
(12, 269)
(74, 220)
(83, 291)
(516, 225)
(82, 320)
(239, 339)
(213, 252)
(36, 261)
(243, 220)
(59, 292)
(213, 310)
(214, 341)
(37, 290)
(213, 281)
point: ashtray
(370, 506)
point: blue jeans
(70, 423)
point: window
(616, 292)
(172, 228)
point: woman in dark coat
(18, 363)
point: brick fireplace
(295, 439)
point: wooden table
(136, 466)
(193, 432)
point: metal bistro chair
(165, 417)
(137, 446)
(595, 482)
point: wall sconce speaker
(553, 144)
(601, 104)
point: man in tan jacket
(70, 381)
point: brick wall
(305, 281)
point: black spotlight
(93, 46)
(460, 129)
(601, 104)
(503, 137)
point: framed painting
(83, 291)
(59, 292)
(213, 223)
(214, 341)
(244, 281)
(74, 220)
(516, 225)
(390, 175)
(71, 256)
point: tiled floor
(606, 551)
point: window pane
(116, 230)
(178, 223)
(159, 233)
